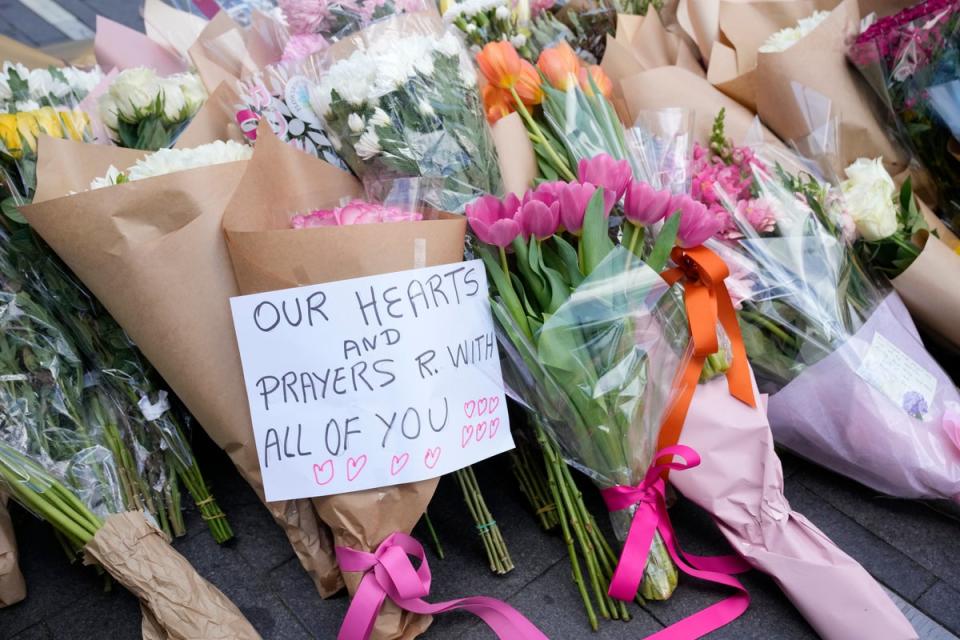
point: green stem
(559, 164)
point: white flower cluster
(470, 8)
(871, 195)
(167, 161)
(53, 87)
(381, 68)
(786, 38)
(137, 94)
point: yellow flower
(75, 124)
(28, 128)
(9, 135)
(48, 122)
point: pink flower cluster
(355, 212)
(560, 206)
(912, 33)
(720, 184)
(320, 16)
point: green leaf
(595, 234)
(9, 207)
(503, 285)
(570, 260)
(527, 265)
(664, 243)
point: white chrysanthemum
(786, 38)
(502, 13)
(518, 40)
(380, 118)
(26, 105)
(135, 91)
(425, 108)
(355, 122)
(5, 92)
(448, 45)
(82, 82)
(870, 196)
(368, 145)
(172, 160)
(43, 85)
(112, 177)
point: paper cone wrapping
(171, 28)
(214, 121)
(267, 254)
(120, 47)
(676, 87)
(700, 20)
(518, 160)
(834, 417)
(740, 483)
(12, 587)
(180, 604)
(153, 252)
(220, 53)
(929, 289)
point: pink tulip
(493, 220)
(546, 192)
(645, 205)
(697, 223)
(604, 171)
(539, 220)
(573, 205)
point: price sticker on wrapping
(372, 382)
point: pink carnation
(304, 16)
(354, 212)
(758, 213)
(303, 45)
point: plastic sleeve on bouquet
(268, 255)
(185, 331)
(181, 602)
(832, 415)
(740, 483)
(12, 587)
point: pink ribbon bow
(390, 574)
(651, 516)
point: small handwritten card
(899, 377)
(372, 382)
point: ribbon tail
(685, 385)
(363, 610)
(505, 621)
(633, 559)
(739, 381)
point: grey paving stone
(882, 560)
(259, 539)
(36, 632)
(321, 618)
(942, 603)
(926, 627)
(117, 611)
(927, 536)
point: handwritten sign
(372, 382)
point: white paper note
(899, 377)
(372, 382)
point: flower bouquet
(855, 390)
(23, 89)
(333, 20)
(910, 59)
(184, 331)
(142, 110)
(280, 95)
(12, 587)
(400, 99)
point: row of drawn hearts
(323, 473)
(481, 406)
(470, 433)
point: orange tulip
(599, 78)
(500, 64)
(560, 65)
(528, 85)
(497, 103)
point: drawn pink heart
(494, 402)
(466, 433)
(481, 406)
(355, 466)
(432, 457)
(494, 427)
(481, 430)
(398, 463)
(321, 470)
(469, 407)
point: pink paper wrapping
(120, 47)
(740, 483)
(837, 419)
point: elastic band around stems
(485, 528)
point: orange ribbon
(707, 302)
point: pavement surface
(912, 548)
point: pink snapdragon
(354, 212)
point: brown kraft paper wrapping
(214, 121)
(268, 255)
(518, 160)
(929, 289)
(178, 604)
(153, 252)
(12, 587)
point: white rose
(355, 122)
(135, 92)
(174, 102)
(193, 91)
(871, 198)
(109, 112)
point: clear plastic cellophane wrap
(241, 11)
(911, 60)
(853, 387)
(598, 374)
(400, 99)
